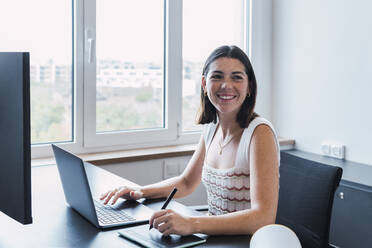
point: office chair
(306, 195)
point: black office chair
(306, 195)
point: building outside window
(109, 74)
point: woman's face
(226, 84)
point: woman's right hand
(129, 193)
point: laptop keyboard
(109, 215)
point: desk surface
(55, 224)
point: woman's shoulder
(259, 121)
(262, 131)
(259, 128)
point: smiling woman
(229, 68)
(226, 85)
(237, 157)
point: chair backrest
(306, 195)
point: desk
(57, 225)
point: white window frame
(85, 137)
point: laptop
(73, 173)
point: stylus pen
(169, 198)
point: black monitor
(15, 141)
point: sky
(41, 27)
(126, 29)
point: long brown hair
(207, 112)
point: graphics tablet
(153, 238)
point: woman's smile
(226, 97)
(226, 84)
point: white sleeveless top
(229, 189)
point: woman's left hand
(168, 222)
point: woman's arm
(185, 183)
(264, 183)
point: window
(222, 24)
(118, 74)
(47, 35)
(127, 71)
(129, 65)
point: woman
(237, 157)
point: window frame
(86, 139)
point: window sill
(140, 154)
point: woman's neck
(228, 124)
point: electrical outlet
(333, 150)
(338, 151)
(326, 149)
(170, 169)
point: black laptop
(72, 171)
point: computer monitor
(15, 143)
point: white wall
(322, 74)
(261, 54)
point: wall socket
(334, 150)
(170, 169)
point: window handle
(90, 50)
